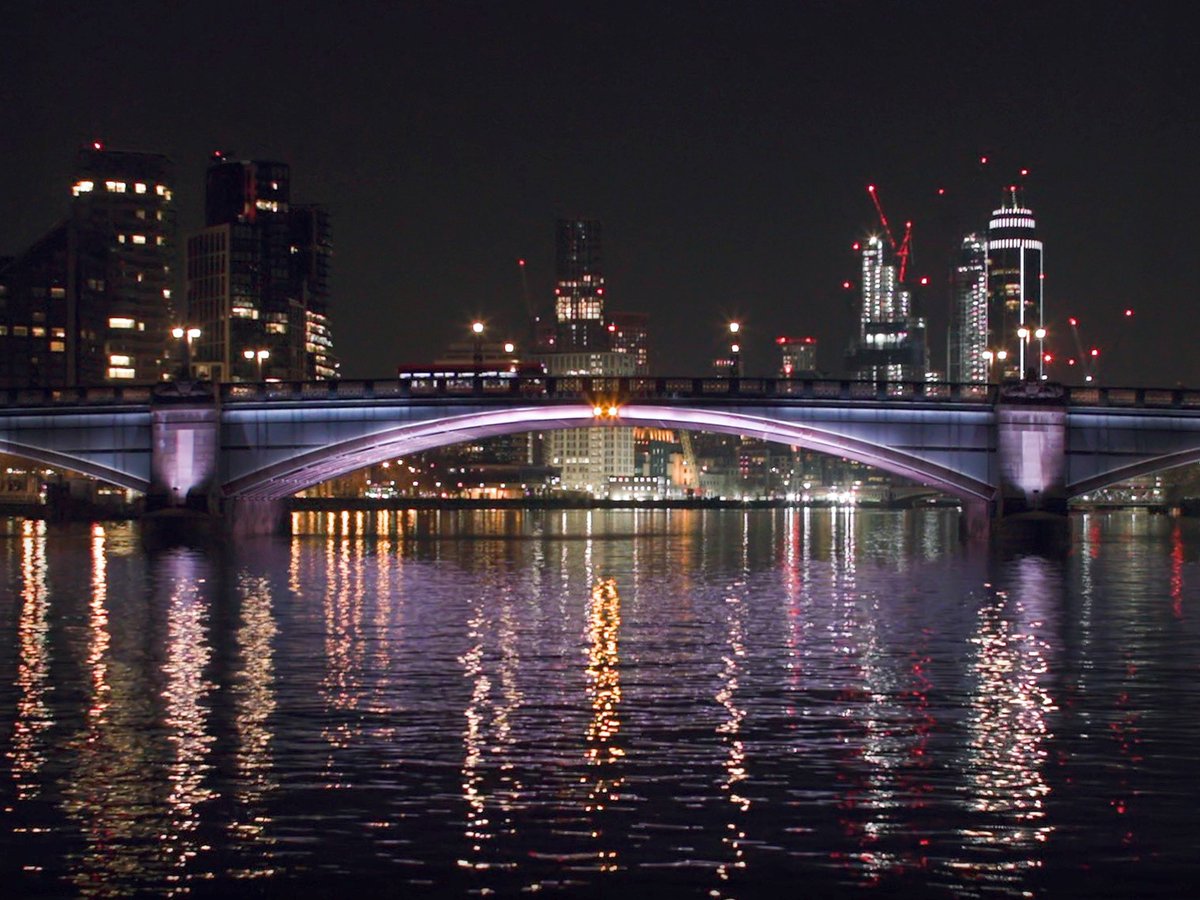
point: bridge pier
(1031, 456)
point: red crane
(901, 251)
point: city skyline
(726, 155)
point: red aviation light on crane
(847, 284)
(924, 279)
(1024, 172)
(1128, 313)
(1095, 352)
(520, 262)
(1048, 357)
(1073, 322)
(941, 192)
(983, 160)
(97, 145)
(856, 246)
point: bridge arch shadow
(286, 477)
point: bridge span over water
(241, 448)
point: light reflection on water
(579, 702)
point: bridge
(239, 449)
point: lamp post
(259, 356)
(477, 331)
(190, 334)
(735, 329)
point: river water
(699, 703)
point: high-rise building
(1015, 320)
(587, 458)
(579, 287)
(257, 278)
(967, 359)
(123, 201)
(891, 341)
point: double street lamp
(259, 356)
(180, 333)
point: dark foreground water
(694, 703)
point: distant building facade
(91, 301)
(797, 357)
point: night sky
(725, 147)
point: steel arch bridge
(1016, 447)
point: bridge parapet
(585, 388)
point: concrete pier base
(244, 518)
(1038, 532)
(975, 521)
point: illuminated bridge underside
(949, 450)
(113, 446)
(1108, 447)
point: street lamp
(477, 330)
(258, 355)
(179, 333)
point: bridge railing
(120, 395)
(590, 388)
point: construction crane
(905, 247)
(691, 474)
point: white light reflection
(33, 668)
(252, 685)
(491, 784)
(1008, 726)
(186, 700)
(730, 734)
(603, 675)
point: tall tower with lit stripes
(1016, 314)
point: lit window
(57, 347)
(139, 188)
(121, 238)
(166, 293)
(159, 240)
(39, 331)
(120, 372)
(139, 239)
(118, 359)
(160, 189)
(3, 330)
(117, 187)
(20, 331)
(82, 187)
(276, 328)
(58, 293)
(120, 322)
(58, 332)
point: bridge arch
(286, 477)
